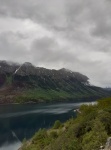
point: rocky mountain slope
(28, 83)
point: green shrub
(95, 138)
(53, 134)
(57, 124)
(72, 145)
(39, 136)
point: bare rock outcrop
(108, 144)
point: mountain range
(25, 83)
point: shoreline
(76, 100)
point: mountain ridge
(28, 83)
(11, 67)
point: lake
(22, 121)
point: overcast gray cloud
(47, 50)
(64, 33)
(10, 46)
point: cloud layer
(75, 34)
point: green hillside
(88, 131)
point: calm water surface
(22, 121)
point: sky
(72, 34)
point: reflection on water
(22, 121)
(10, 146)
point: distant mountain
(28, 83)
(107, 89)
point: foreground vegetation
(88, 131)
